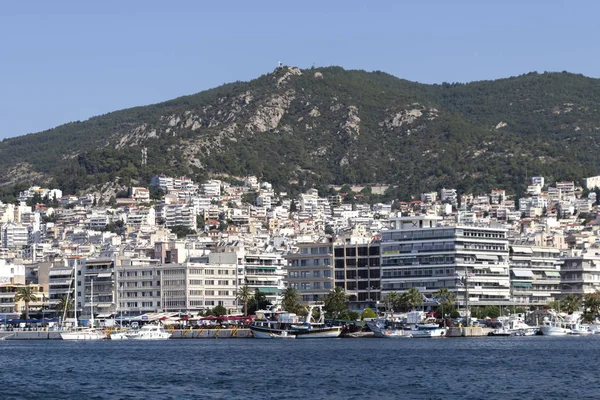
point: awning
(522, 250)
(552, 273)
(497, 269)
(104, 305)
(522, 284)
(261, 267)
(522, 273)
(105, 275)
(269, 290)
(487, 257)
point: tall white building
(417, 253)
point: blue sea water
(459, 368)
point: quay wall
(211, 333)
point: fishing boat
(415, 325)
(559, 325)
(274, 324)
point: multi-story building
(61, 283)
(534, 274)
(310, 269)
(96, 288)
(358, 271)
(580, 273)
(14, 236)
(264, 272)
(469, 261)
(139, 289)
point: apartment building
(358, 271)
(534, 274)
(310, 269)
(580, 273)
(418, 253)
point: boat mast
(75, 265)
(92, 303)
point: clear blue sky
(63, 61)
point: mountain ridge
(303, 128)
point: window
(209, 282)
(223, 292)
(326, 285)
(316, 274)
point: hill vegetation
(309, 128)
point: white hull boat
(149, 332)
(83, 334)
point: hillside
(299, 128)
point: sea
(453, 368)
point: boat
(428, 331)
(387, 328)
(559, 325)
(281, 324)
(413, 326)
(86, 333)
(83, 334)
(149, 332)
(269, 324)
(282, 335)
(513, 326)
(119, 334)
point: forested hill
(300, 128)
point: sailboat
(90, 333)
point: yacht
(89, 333)
(83, 334)
(149, 332)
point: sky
(63, 61)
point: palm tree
(445, 295)
(412, 298)
(64, 306)
(290, 300)
(335, 301)
(392, 301)
(446, 299)
(244, 294)
(27, 295)
(571, 303)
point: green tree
(412, 298)
(244, 294)
(219, 310)
(293, 207)
(64, 307)
(335, 301)
(290, 300)
(446, 299)
(258, 302)
(571, 303)
(393, 301)
(368, 313)
(591, 303)
(27, 295)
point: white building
(417, 253)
